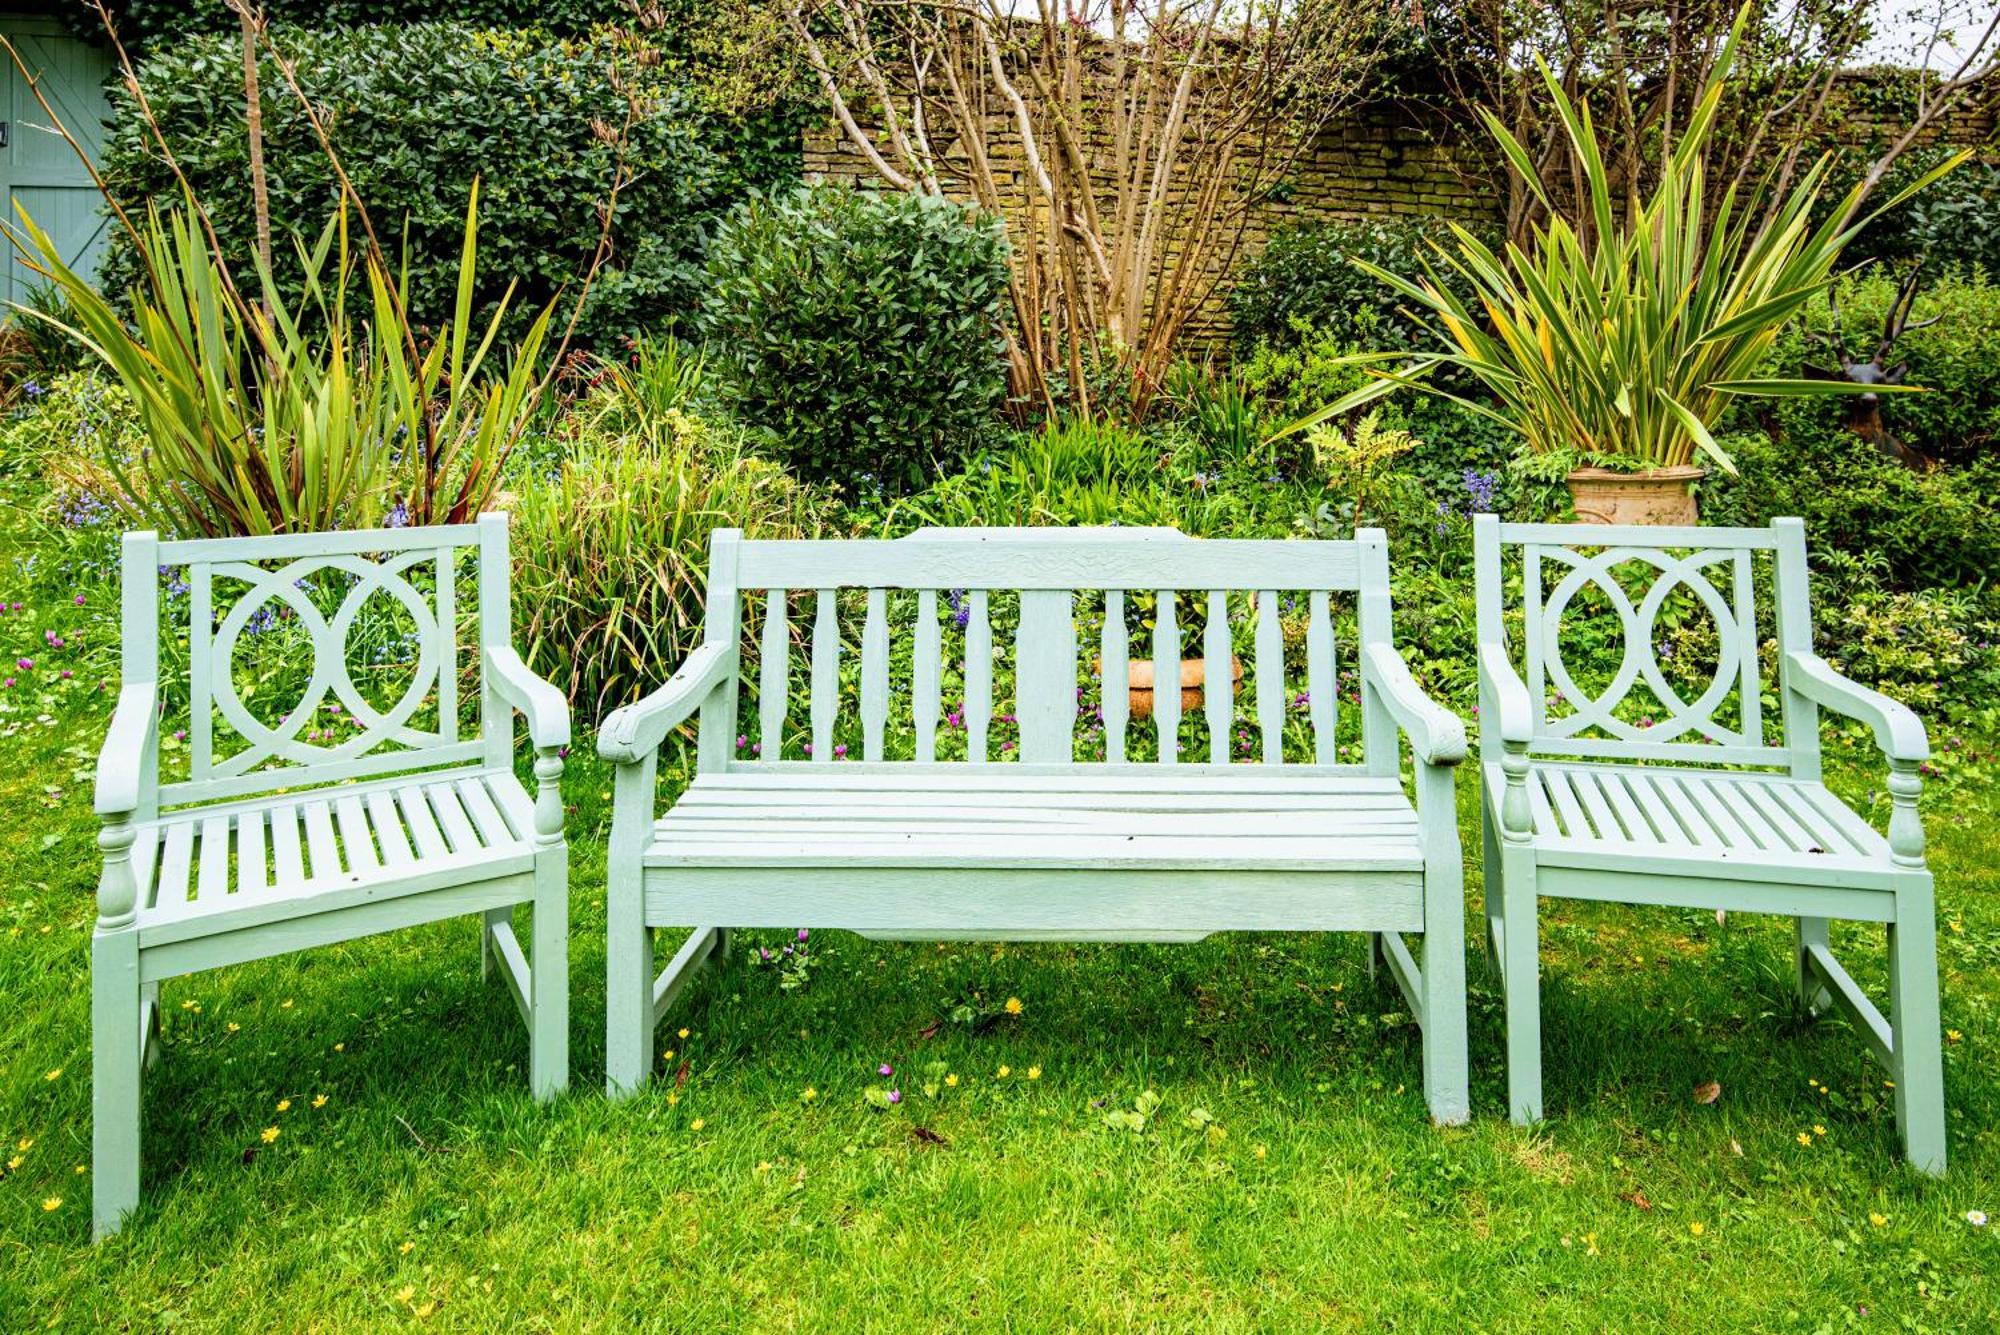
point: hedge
(417, 112)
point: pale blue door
(38, 171)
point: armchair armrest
(1898, 731)
(1436, 734)
(1509, 695)
(545, 707)
(630, 733)
(121, 764)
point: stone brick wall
(1404, 160)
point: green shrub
(1929, 530)
(859, 332)
(416, 113)
(1957, 419)
(1305, 279)
(1954, 225)
(149, 24)
(611, 550)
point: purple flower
(895, 1096)
(79, 600)
(1482, 490)
(398, 517)
(961, 609)
(885, 1070)
(840, 751)
(802, 933)
(25, 664)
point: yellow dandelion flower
(951, 1081)
(1804, 1139)
(1034, 1073)
(27, 1143)
(271, 1134)
(697, 1124)
(1697, 1228)
(422, 1311)
(234, 1027)
(284, 1105)
(1260, 1151)
(285, 1005)
(407, 1292)
(1952, 1036)
(684, 1034)
(406, 1248)
(1013, 1005)
(673, 1097)
(1877, 1219)
(667, 1056)
(1818, 1130)
(1004, 1072)
(1590, 1244)
(81, 1169)
(340, 1047)
(54, 1075)
(810, 1094)
(16, 1162)
(319, 1101)
(51, 1202)
(763, 1166)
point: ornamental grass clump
(1620, 342)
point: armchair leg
(1490, 882)
(1810, 932)
(116, 1056)
(1522, 965)
(1913, 1017)
(548, 1039)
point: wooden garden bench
(279, 837)
(1039, 839)
(1590, 794)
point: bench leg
(548, 976)
(1809, 932)
(1522, 965)
(1913, 1017)
(117, 1047)
(488, 921)
(628, 1001)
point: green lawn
(1287, 1178)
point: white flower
(1976, 1218)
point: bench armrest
(1898, 731)
(630, 733)
(1436, 734)
(1509, 695)
(544, 706)
(121, 764)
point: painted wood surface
(278, 842)
(1042, 841)
(1690, 801)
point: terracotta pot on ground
(1656, 496)
(1139, 682)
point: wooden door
(38, 170)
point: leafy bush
(859, 332)
(148, 24)
(611, 549)
(1958, 417)
(1305, 279)
(1954, 225)
(416, 113)
(1929, 530)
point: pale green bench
(1700, 803)
(1042, 841)
(277, 840)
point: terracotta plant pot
(1139, 683)
(1656, 496)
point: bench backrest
(405, 587)
(1677, 609)
(949, 588)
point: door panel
(38, 170)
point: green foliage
(1930, 530)
(1221, 411)
(611, 548)
(264, 418)
(1957, 418)
(859, 332)
(1623, 343)
(416, 113)
(149, 24)
(1306, 279)
(45, 351)
(1954, 225)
